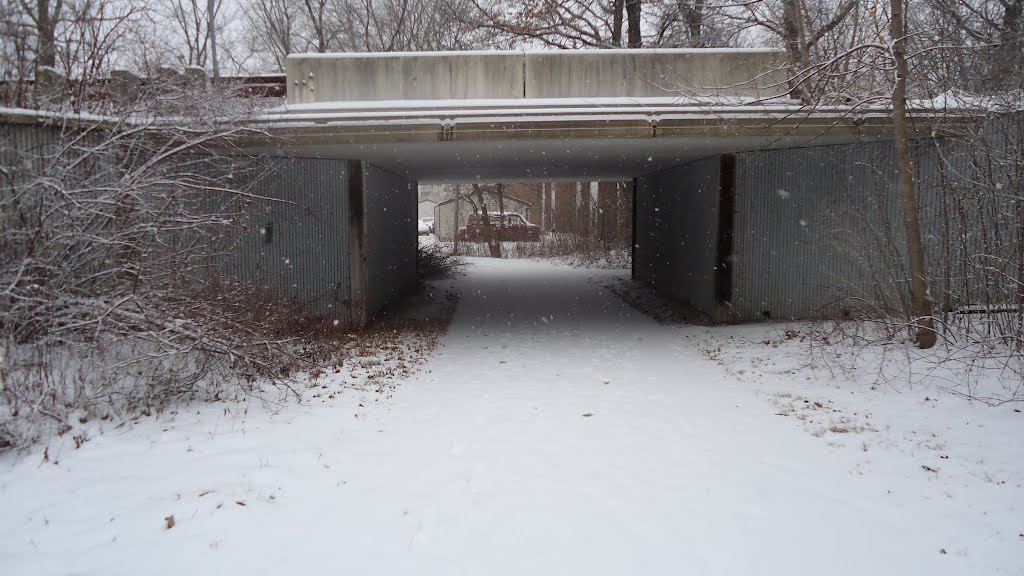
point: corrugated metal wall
(391, 241)
(802, 217)
(293, 212)
(287, 222)
(296, 244)
(29, 148)
(819, 229)
(973, 216)
(22, 146)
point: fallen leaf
(169, 521)
(240, 502)
(588, 414)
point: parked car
(512, 227)
(429, 220)
(423, 228)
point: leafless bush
(574, 248)
(972, 214)
(117, 293)
(436, 260)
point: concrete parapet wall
(404, 76)
(654, 73)
(315, 78)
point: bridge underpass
(731, 177)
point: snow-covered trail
(556, 431)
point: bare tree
(46, 15)
(318, 14)
(492, 232)
(562, 23)
(987, 39)
(196, 27)
(116, 229)
(813, 33)
(189, 18)
(921, 301)
(272, 27)
(280, 27)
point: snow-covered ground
(555, 431)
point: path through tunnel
(737, 229)
(677, 197)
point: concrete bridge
(731, 176)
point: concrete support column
(357, 243)
(684, 229)
(390, 238)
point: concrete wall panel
(677, 220)
(390, 213)
(316, 78)
(404, 76)
(652, 73)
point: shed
(425, 208)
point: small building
(425, 208)
(453, 213)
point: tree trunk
(692, 14)
(46, 24)
(617, 22)
(496, 248)
(920, 300)
(211, 35)
(1019, 205)
(792, 34)
(633, 18)
(1008, 52)
(458, 216)
(315, 12)
(493, 244)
